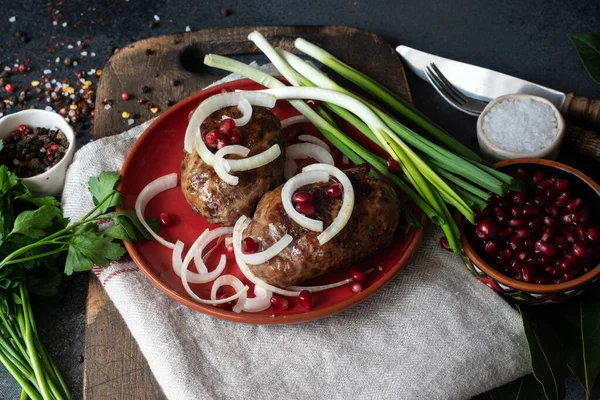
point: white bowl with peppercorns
(38, 147)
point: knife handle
(582, 142)
(581, 107)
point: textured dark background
(523, 38)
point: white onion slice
(246, 109)
(321, 288)
(212, 104)
(155, 187)
(345, 212)
(290, 187)
(298, 119)
(266, 255)
(315, 140)
(260, 302)
(230, 280)
(241, 224)
(220, 165)
(289, 169)
(306, 150)
(255, 161)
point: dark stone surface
(527, 39)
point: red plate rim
(251, 318)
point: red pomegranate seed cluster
(226, 134)
(543, 235)
(303, 203)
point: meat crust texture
(219, 202)
(371, 227)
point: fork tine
(442, 89)
(447, 83)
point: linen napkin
(434, 332)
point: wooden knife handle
(581, 107)
(582, 142)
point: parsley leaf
(101, 186)
(34, 223)
(7, 179)
(89, 246)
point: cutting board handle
(582, 142)
(581, 107)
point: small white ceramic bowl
(494, 153)
(51, 182)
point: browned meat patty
(219, 202)
(371, 227)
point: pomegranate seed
(307, 208)
(225, 306)
(575, 204)
(301, 197)
(227, 125)
(504, 255)
(249, 246)
(592, 235)
(552, 271)
(444, 243)
(9, 88)
(125, 96)
(305, 299)
(500, 214)
(537, 245)
(520, 174)
(515, 222)
(392, 165)
(552, 209)
(514, 243)
(535, 224)
(529, 211)
(519, 198)
(581, 216)
(222, 143)
(482, 236)
(491, 247)
(235, 136)
(540, 280)
(523, 232)
(538, 176)
(550, 192)
(165, 220)
(213, 137)
(562, 243)
(581, 232)
(548, 249)
(506, 232)
(563, 199)
(567, 276)
(579, 250)
(23, 68)
(335, 190)
(569, 236)
(357, 275)
(544, 183)
(355, 287)
(487, 227)
(279, 302)
(528, 243)
(561, 184)
(547, 235)
(521, 255)
(568, 219)
(530, 260)
(544, 260)
(527, 272)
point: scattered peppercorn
(149, 52)
(146, 89)
(175, 82)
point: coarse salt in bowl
(519, 126)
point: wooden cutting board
(162, 71)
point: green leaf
(140, 233)
(101, 186)
(89, 247)
(581, 335)
(123, 229)
(34, 223)
(588, 49)
(525, 388)
(547, 357)
(7, 179)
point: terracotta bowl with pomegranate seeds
(550, 290)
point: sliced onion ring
(315, 140)
(345, 212)
(230, 280)
(289, 169)
(246, 109)
(321, 288)
(290, 187)
(241, 224)
(220, 165)
(298, 119)
(261, 300)
(212, 104)
(266, 255)
(306, 150)
(155, 187)
(255, 161)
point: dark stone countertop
(526, 39)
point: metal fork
(451, 94)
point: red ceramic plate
(159, 151)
